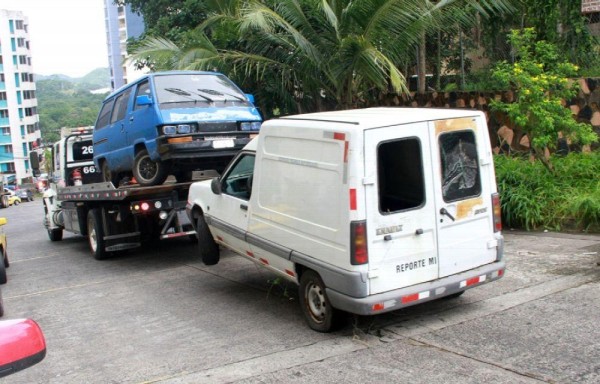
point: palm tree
(315, 54)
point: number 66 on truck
(368, 211)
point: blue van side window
(121, 106)
(142, 89)
(104, 116)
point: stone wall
(505, 137)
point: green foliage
(534, 198)
(308, 55)
(540, 79)
(65, 102)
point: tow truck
(114, 218)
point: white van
(367, 210)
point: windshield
(198, 90)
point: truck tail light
(359, 253)
(497, 212)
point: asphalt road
(158, 315)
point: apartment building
(19, 120)
(121, 24)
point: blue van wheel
(147, 171)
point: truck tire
(147, 171)
(96, 235)
(108, 175)
(207, 247)
(4, 201)
(316, 308)
(55, 234)
(3, 278)
(1, 305)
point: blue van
(172, 123)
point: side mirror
(22, 345)
(215, 186)
(250, 97)
(143, 100)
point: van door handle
(243, 207)
(419, 231)
(443, 211)
(131, 118)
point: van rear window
(460, 169)
(400, 175)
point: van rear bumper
(417, 294)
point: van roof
(381, 116)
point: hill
(69, 102)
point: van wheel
(96, 235)
(317, 310)
(207, 247)
(108, 175)
(55, 234)
(184, 176)
(147, 171)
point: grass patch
(533, 198)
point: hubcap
(93, 239)
(316, 302)
(147, 168)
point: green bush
(534, 198)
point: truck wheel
(318, 312)
(147, 171)
(1, 305)
(4, 201)
(108, 175)
(55, 234)
(208, 248)
(96, 235)
(3, 278)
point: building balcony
(5, 139)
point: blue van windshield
(187, 90)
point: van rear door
(462, 164)
(400, 207)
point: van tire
(207, 247)
(108, 175)
(147, 171)
(317, 310)
(55, 234)
(96, 235)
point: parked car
(3, 264)
(14, 200)
(22, 344)
(25, 193)
(172, 123)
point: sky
(66, 36)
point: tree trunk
(422, 63)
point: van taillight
(358, 243)
(497, 212)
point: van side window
(104, 115)
(120, 106)
(142, 89)
(238, 181)
(400, 175)
(460, 168)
